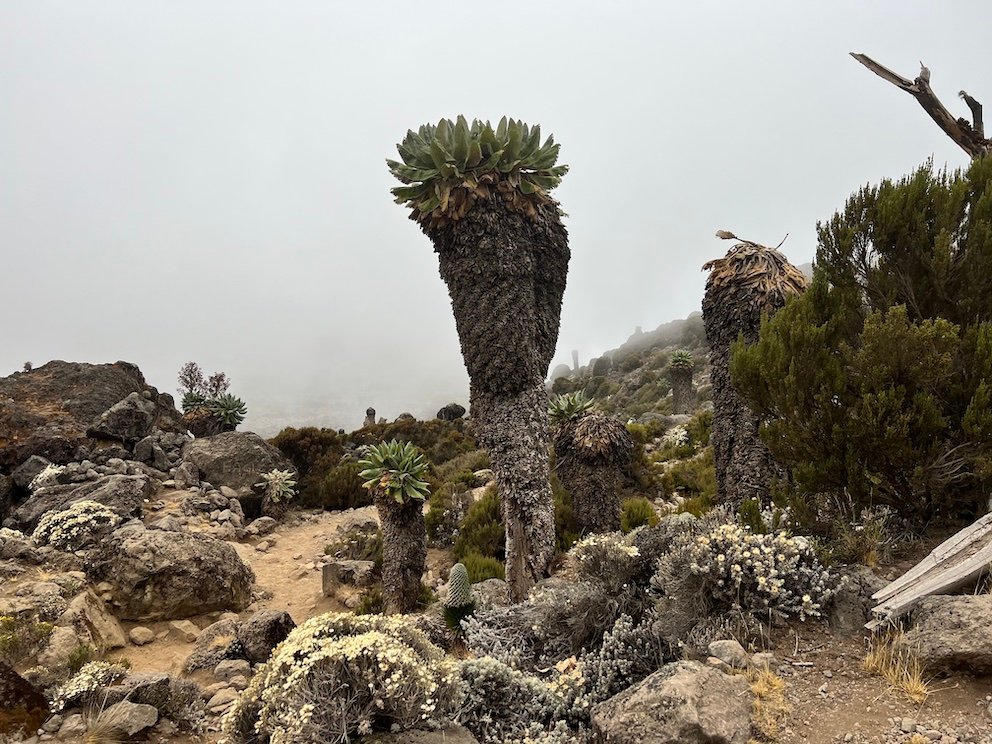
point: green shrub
(693, 479)
(699, 427)
(636, 512)
(482, 530)
(21, 637)
(341, 488)
(79, 657)
(876, 384)
(482, 567)
(371, 601)
(567, 527)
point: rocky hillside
(633, 381)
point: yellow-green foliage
(694, 479)
(21, 637)
(481, 567)
(636, 512)
(482, 531)
(341, 488)
(567, 528)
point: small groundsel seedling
(458, 600)
(396, 469)
(77, 527)
(47, 477)
(569, 407)
(279, 485)
(339, 676)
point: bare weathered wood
(969, 137)
(956, 562)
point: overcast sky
(206, 181)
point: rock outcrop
(952, 633)
(50, 411)
(681, 703)
(155, 574)
(235, 459)
(123, 494)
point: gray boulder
(262, 632)
(155, 574)
(451, 412)
(132, 718)
(951, 633)
(123, 494)
(236, 459)
(681, 703)
(25, 472)
(22, 705)
(850, 607)
(351, 573)
(127, 420)
(215, 643)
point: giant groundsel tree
(750, 283)
(481, 194)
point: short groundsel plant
(568, 407)
(898, 664)
(396, 469)
(279, 485)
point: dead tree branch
(970, 137)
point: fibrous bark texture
(506, 275)
(683, 397)
(591, 457)
(404, 551)
(514, 430)
(752, 281)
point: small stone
(53, 724)
(133, 717)
(297, 556)
(764, 659)
(141, 636)
(239, 682)
(72, 728)
(232, 668)
(185, 630)
(827, 673)
(262, 546)
(908, 725)
(730, 652)
(222, 699)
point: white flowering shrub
(505, 633)
(677, 436)
(763, 574)
(338, 676)
(8, 534)
(81, 686)
(606, 557)
(46, 477)
(82, 524)
(501, 703)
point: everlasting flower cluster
(677, 436)
(340, 675)
(761, 573)
(501, 703)
(80, 525)
(46, 477)
(85, 682)
(601, 555)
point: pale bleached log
(955, 563)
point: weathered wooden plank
(956, 562)
(975, 532)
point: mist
(206, 181)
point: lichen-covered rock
(88, 614)
(217, 642)
(262, 632)
(123, 494)
(682, 703)
(128, 420)
(154, 574)
(236, 459)
(851, 606)
(952, 633)
(48, 410)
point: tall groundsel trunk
(404, 551)
(505, 273)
